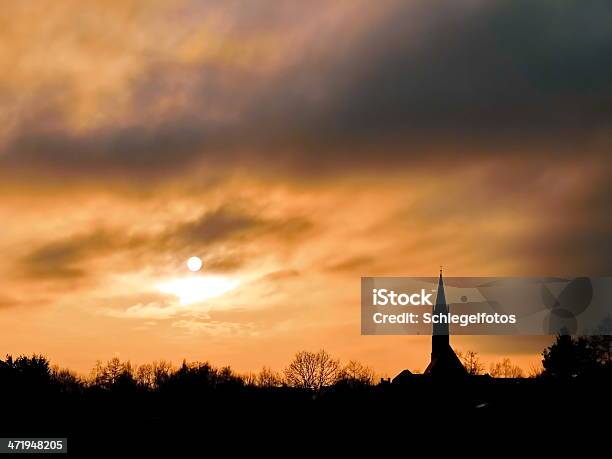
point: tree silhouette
(535, 371)
(471, 362)
(601, 343)
(67, 381)
(268, 378)
(355, 374)
(26, 374)
(569, 357)
(506, 369)
(198, 377)
(153, 375)
(113, 375)
(312, 371)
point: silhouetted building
(404, 377)
(444, 362)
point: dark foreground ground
(191, 423)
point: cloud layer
(421, 80)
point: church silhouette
(444, 362)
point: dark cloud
(446, 81)
(232, 223)
(225, 262)
(491, 70)
(64, 258)
(227, 234)
(218, 224)
(482, 76)
(573, 237)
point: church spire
(440, 332)
(441, 297)
(444, 361)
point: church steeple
(440, 332)
(444, 361)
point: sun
(192, 290)
(194, 264)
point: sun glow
(192, 290)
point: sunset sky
(294, 146)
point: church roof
(403, 376)
(445, 364)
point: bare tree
(310, 370)
(250, 379)
(153, 375)
(505, 369)
(67, 380)
(109, 375)
(302, 370)
(355, 373)
(535, 371)
(471, 362)
(162, 369)
(269, 378)
(327, 369)
(145, 376)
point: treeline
(309, 398)
(309, 372)
(568, 357)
